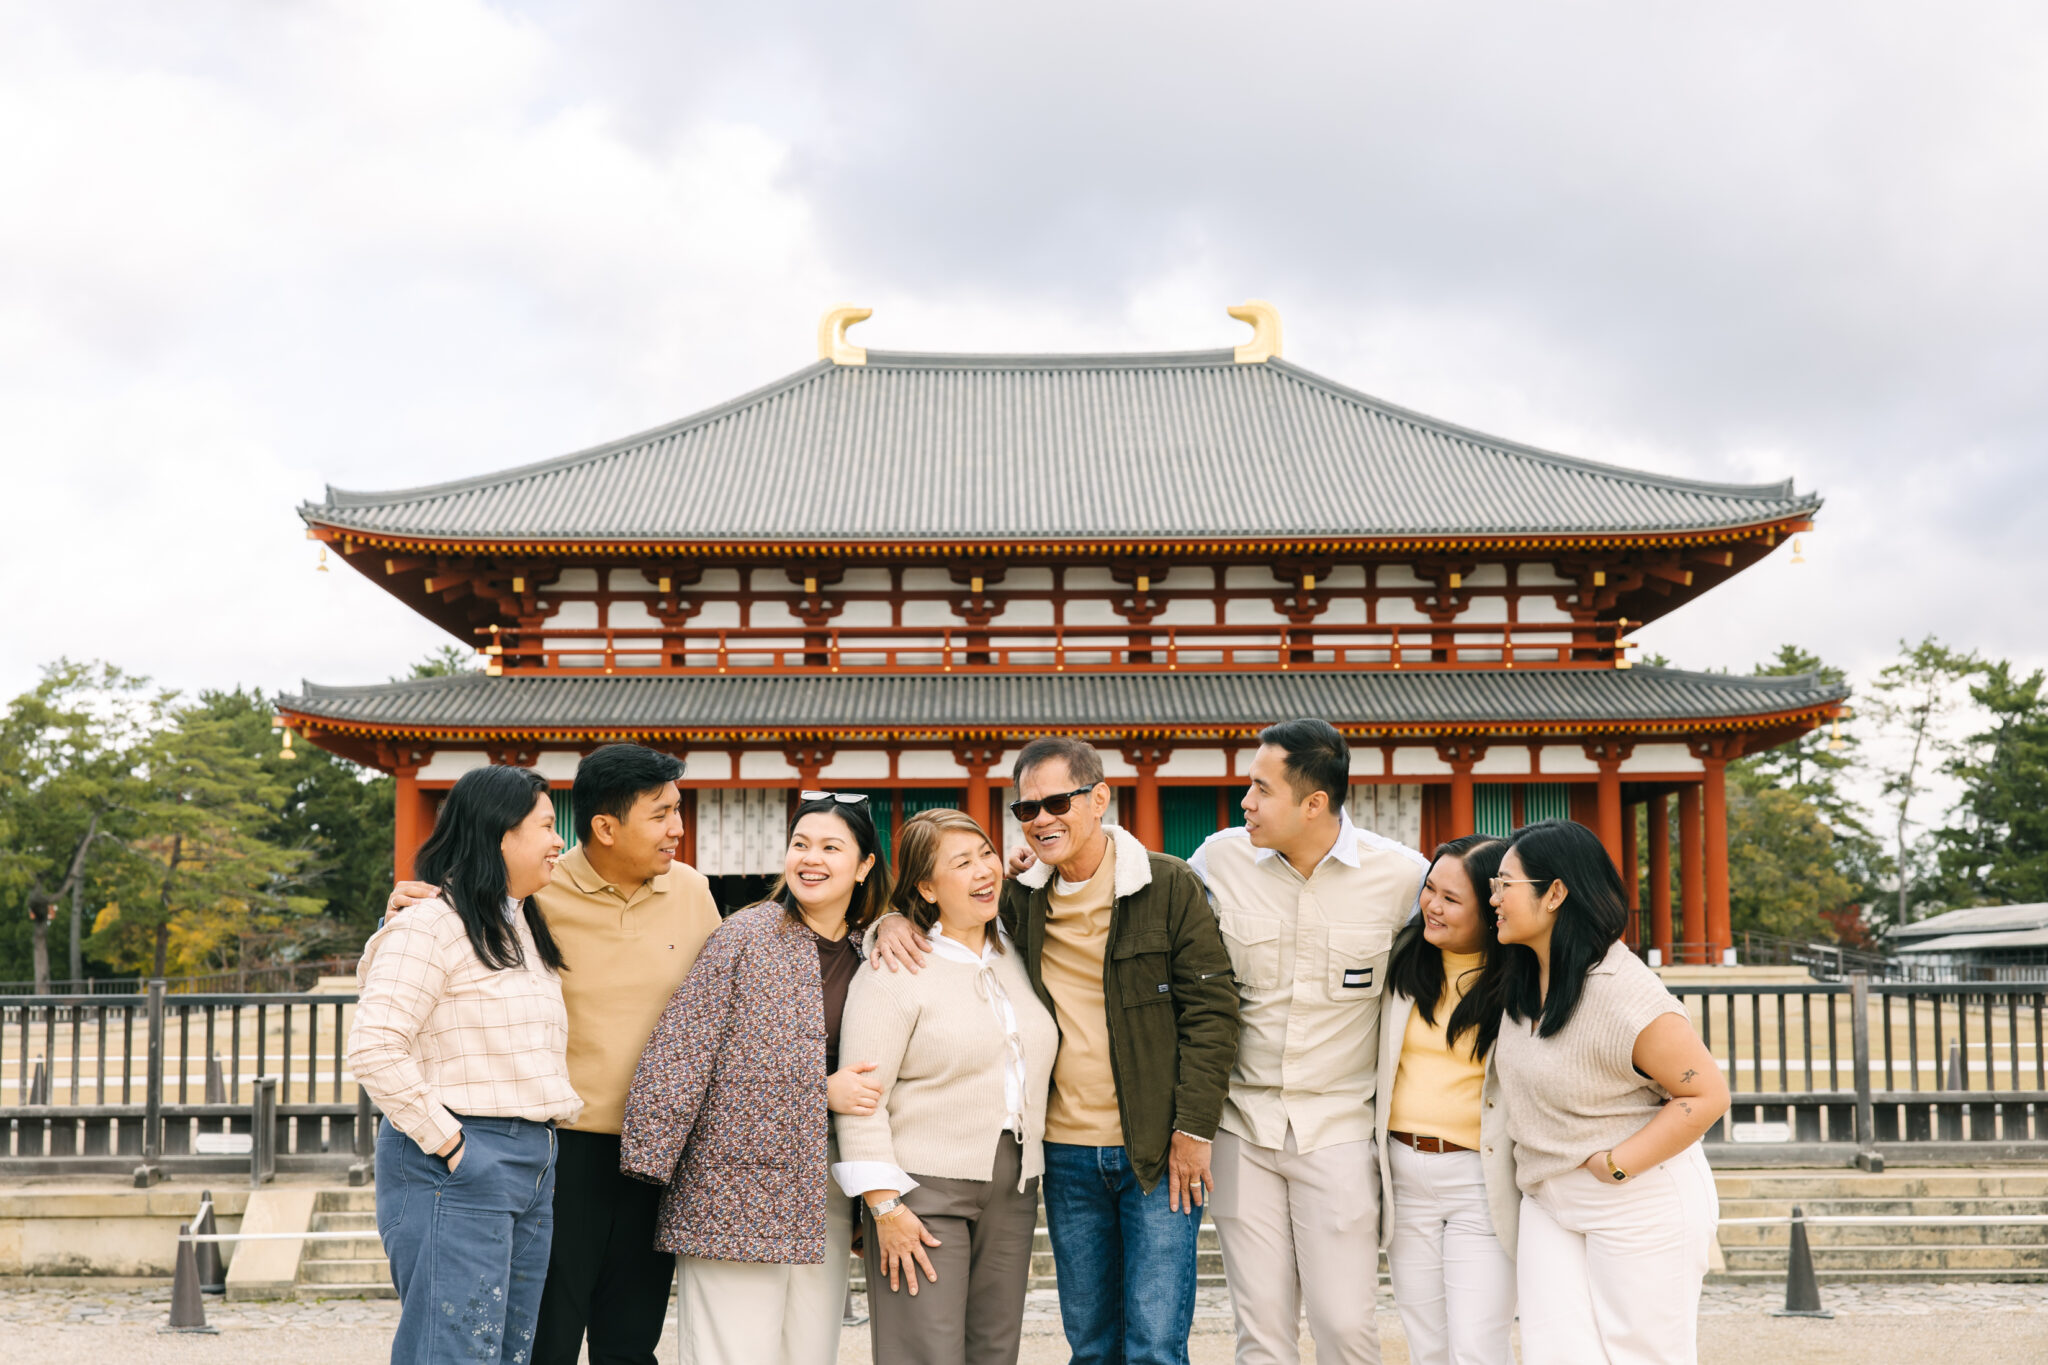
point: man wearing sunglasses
(1122, 947)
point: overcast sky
(249, 248)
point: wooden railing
(1051, 649)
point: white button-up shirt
(1310, 956)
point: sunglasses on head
(1027, 811)
(843, 798)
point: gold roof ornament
(832, 342)
(1798, 550)
(1264, 320)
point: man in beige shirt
(629, 920)
(1308, 904)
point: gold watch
(1614, 1172)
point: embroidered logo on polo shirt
(1357, 977)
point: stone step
(1777, 1277)
(362, 1200)
(367, 1290)
(1900, 1184)
(368, 1248)
(1923, 1259)
(1887, 1234)
(346, 1222)
(365, 1270)
(1983, 1208)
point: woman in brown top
(728, 1107)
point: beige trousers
(747, 1313)
(1300, 1229)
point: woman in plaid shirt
(461, 1039)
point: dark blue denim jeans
(469, 1251)
(1125, 1260)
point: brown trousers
(974, 1315)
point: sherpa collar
(1133, 865)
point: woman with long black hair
(1447, 1175)
(461, 1038)
(729, 1106)
(1608, 1092)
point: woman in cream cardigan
(1448, 1201)
(948, 1162)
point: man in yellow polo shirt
(629, 920)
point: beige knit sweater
(939, 1057)
(1578, 1092)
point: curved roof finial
(832, 342)
(1265, 324)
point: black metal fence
(1873, 1071)
(99, 1084)
(1824, 1073)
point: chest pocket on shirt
(1254, 948)
(1358, 963)
(1142, 974)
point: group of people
(595, 1090)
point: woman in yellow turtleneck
(1448, 1201)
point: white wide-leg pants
(1454, 1283)
(1610, 1274)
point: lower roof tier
(941, 707)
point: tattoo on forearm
(1689, 1074)
(1686, 1107)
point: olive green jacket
(1168, 988)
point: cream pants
(1610, 1274)
(1300, 1229)
(747, 1313)
(1453, 1281)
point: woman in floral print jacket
(728, 1106)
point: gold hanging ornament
(322, 566)
(1835, 734)
(1798, 550)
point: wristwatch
(1614, 1172)
(887, 1207)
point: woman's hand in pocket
(900, 1240)
(849, 1091)
(452, 1152)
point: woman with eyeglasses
(1608, 1093)
(1448, 1201)
(729, 1106)
(948, 1163)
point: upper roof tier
(970, 448)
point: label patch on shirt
(1164, 988)
(1357, 978)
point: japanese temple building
(889, 570)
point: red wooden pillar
(1692, 896)
(1608, 755)
(1461, 755)
(1631, 878)
(688, 852)
(411, 822)
(1660, 877)
(1146, 822)
(1715, 861)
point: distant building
(1984, 943)
(887, 571)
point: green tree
(67, 789)
(1914, 701)
(449, 661)
(1783, 872)
(1997, 851)
(210, 804)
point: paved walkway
(1898, 1324)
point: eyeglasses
(1027, 811)
(843, 798)
(1499, 884)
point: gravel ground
(1897, 1324)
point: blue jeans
(468, 1251)
(1125, 1260)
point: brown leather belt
(1426, 1144)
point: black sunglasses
(843, 798)
(1027, 811)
